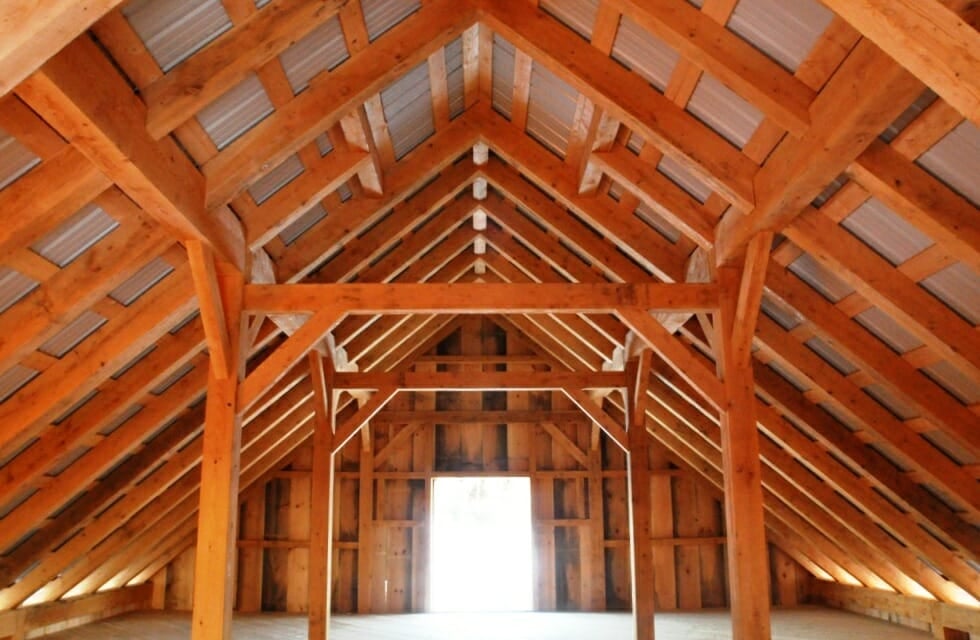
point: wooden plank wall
(579, 509)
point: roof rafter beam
(929, 39)
(82, 95)
(331, 96)
(625, 95)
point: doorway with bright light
(481, 553)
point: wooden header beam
(480, 381)
(479, 298)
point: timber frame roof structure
(783, 191)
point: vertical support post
(748, 564)
(220, 288)
(322, 498)
(640, 517)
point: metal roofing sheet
(838, 414)
(899, 408)
(381, 15)
(132, 363)
(141, 281)
(68, 460)
(910, 114)
(886, 232)
(75, 236)
(959, 287)
(454, 77)
(15, 159)
(684, 178)
(550, 109)
(237, 111)
(322, 49)
(784, 315)
(172, 379)
(121, 420)
(644, 53)
(503, 75)
(172, 30)
(14, 285)
(266, 186)
(75, 407)
(578, 14)
(658, 222)
(954, 381)
(956, 160)
(14, 378)
(786, 31)
(73, 334)
(407, 107)
(801, 385)
(942, 441)
(820, 278)
(302, 224)
(887, 330)
(323, 144)
(725, 111)
(833, 357)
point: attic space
(701, 278)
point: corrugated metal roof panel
(73, 334)
(184, 322)
(725, 111)
(68, 460)
(75, 407)
(172, 30)
(684, 178)
(322, 49)
(550, 109)
(121, 420)
(266, 186)
(950, 447)
(302, 224)
(838, 414)
(910, 114)
(141, 281)
(381, 15)
(15, 159)
(75, 236)
(786, 31)
(887, 330)
(833, 357)
(954, 381)
(886, 232)
(172, 379)
(13, 379)
(454, 77)
(890, 454)
(237, 111)
(407, 107)
(639, 50)
(578, 14)
(658, 222)
(784, 315)
(13, 286)
(18, 499)
(820, 278)
(956, 160)
(900, 409)
(323, 144)
(959, 287)
(503, 75)
(132, 363)
(801, 385)
(830, 190)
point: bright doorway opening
(481, 552)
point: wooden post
(220, 288)
(322, 500)
(748, 559)
(640, 518)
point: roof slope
(613, 141)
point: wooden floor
(790, 624)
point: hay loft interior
(706, 272)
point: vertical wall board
(274, 566)
(472, 435)
(252, 527)
(568, 578)
(615, 508)
(617, 578)
(711, 524)
(180, 582)
(687, 525)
